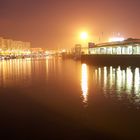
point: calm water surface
(55, 98)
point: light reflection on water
(16, 70)
(114, 82)
(119, 82)
(84, 83)
(123, 82)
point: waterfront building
(126, 47)
(9, 47)
(124, 53)
(37, 52)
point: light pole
(84, 37)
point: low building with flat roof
(127, 47)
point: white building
(126, 47)
(13, 47)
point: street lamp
(84, 35)
(84, 38)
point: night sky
(58, 23)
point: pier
(125, 52)
(111, 59)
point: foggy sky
(58, 23)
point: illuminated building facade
(37, 51)
(126, 47)
(9, 47)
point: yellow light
(84, 35)
(84, 83)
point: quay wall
(123, 60)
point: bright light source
(63, 50)
(84, 35)
(114, 39)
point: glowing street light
(84, 35)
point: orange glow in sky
(58, 23)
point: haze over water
(55, 98)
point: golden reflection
(105, 77)
(84, 83)
(119, 79)
(129, 79)
(96, 75)
(137, 81)
(123, 78)
(13, 71)
(47, 66)
(111, 77)
(99, 75)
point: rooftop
(125, 42)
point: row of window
(116, 50)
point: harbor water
(54, 98)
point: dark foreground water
(64, 99)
